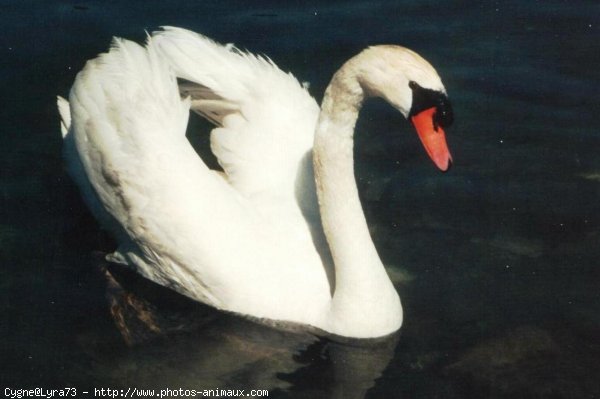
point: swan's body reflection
(178, 343)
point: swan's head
(411, 85)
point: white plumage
(250, 242)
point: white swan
(250, 240)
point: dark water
(496, 261)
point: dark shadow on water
(175, 342)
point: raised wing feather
(265, 118)
(180, 224)
(129, 123)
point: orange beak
(433, 138)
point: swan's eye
(427, 98)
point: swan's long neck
(365, 302)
